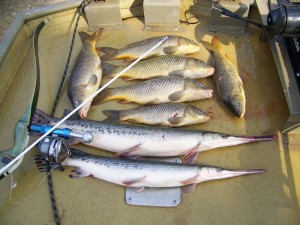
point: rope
(49, 178)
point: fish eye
(219, 170)
(192, 41)
(237, 105)
(203, 63)
(75, 104)
(201, 84)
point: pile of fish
(170, 78)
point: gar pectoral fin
(188, 188)
(131, 182)
(129, 151)
(78, 173)
(177, 95)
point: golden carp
(157, 90)
(168, 65)
(229, 83)
(86, 75)
(168, 114)
(174, 45)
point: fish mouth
(248, 172)
(209, 93)
(82, 114)
(211, 71)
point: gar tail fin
(109, 53)
(41, 117)
(112, 115)
(42, 164)
(108, 69)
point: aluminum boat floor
(271, 198)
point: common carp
(229, 83)
(168, 65)
(168, 114)
(86, 75)
(143, 173)
(133, 140)
(174, 45)
(157, 90)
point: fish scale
(162, 66)
(144, 173)
(157, 90)
(149, 141)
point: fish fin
(112, 115)
(41, 163)
(130, 182)
(176, 95)
(85, 36)
(128, 151)
(177, 73)
(134, 121)
(171, 50)
(109, 53)
(123, 101)
(67, 112)
(190, 158)
(175, 120)
(108, 70)
(208, 46)
(188, 188)
(190, 180)
(128, 60)
(41, 117)
(227, 57)
(72, 141)
(108, 50)
(216, 43)
(102, 97)
(126, 78)
(92, 82)
(78, 173)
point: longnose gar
(144, 173)
(133, 140)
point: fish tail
(42, 164)
(112, 115)
(108, 69)
(41, 117)
(208, 46)
(109, 53)
(103, 97)
(93, 38)
(216, 43)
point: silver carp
(168, 114)
(143, 173)
(157, 90)
(168, 65)
(174, 45)
(86, 75)
(133, 140)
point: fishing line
(5, 168)
(13, 185)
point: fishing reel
(55, 148)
